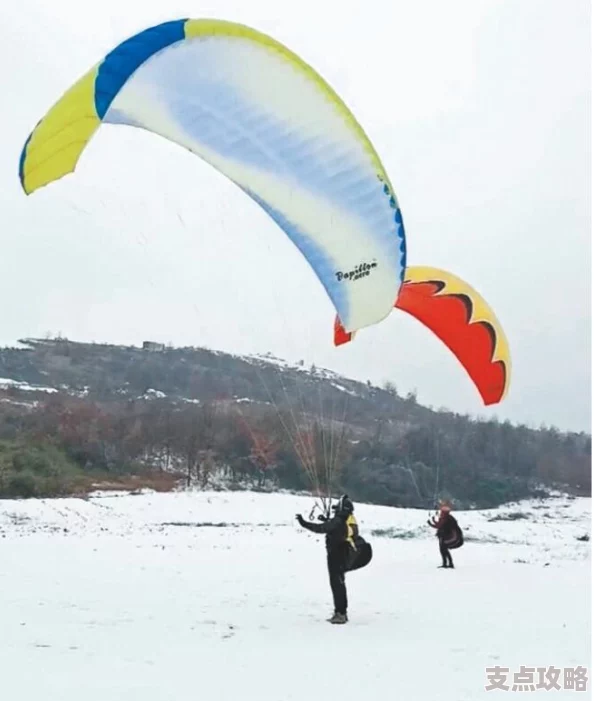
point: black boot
(339, 618)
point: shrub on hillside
(35, 470)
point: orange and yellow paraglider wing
(461, 318)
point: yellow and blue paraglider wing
(55, 145)
(255, 111)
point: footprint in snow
(230, 632)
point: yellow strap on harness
(352, 530)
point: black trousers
(336, 571)
(446, 556)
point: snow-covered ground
(221, 596)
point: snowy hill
(220, 596)
(218, 418)
(109, 372)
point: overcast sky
(480, 112)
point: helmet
(344, 505)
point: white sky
(481, 114)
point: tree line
(51, 448)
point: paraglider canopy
(458, 315)
(260, 115)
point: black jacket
(448, 530)
(446, 525)
(335, 529)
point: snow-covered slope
(221, 596)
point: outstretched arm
(436, 524)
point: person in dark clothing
(448, 533)
(341, 532)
